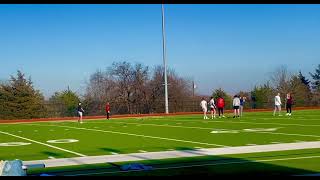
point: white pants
(80, 114)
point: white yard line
(131, 134)
(181, 153)
(243, 122)
(203, 128)
(44, 144)
(159, 125)
(290, 134)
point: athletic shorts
(204, 109)
(277, 106)
(235, 107)
(79, 113)
(212, 108)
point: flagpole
(164, 63)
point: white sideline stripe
(161, 125)
(245, 122)
(178, 154)
(114, 153)
(44, 144)
(210, 164)
(304, 135)
(203, 128)
(295, 118)
(130, 134)
(143, 151)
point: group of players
(238, 106)
(80, 111)
(237, 103)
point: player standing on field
(108, 110)
(289, 104)
(277, 104)
(236, 106)
(212, 108)
(220, 105)
(242, 102)
(204, 106)
(80, 113)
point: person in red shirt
(220, 106)
(108, 110)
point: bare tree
(280, 80)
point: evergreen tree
(316, 79)
(264, 95)
(304, 80)
(19, 99)
(64, 103)
(221, 93)
(301, 93)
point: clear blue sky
(230, 46)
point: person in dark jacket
(289, 103)
(80, 113)
(108, 110)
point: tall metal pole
(165, 63)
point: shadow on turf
(52, 154)
(206, 166)
(111, 150)
(213, 166)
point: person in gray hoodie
(236, 106)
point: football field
(253, 143)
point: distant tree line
(136, 88)
(304, 91)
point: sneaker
(223, 116)
(219, 116)
(289, 114)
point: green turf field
(33, 141)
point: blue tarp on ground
(135, 166)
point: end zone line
(130, 134)
(44, 144)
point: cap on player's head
(79, 103)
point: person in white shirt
(236, 106)
(277, 104)
(204, 106)
(212, 108)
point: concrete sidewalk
(175, 154)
